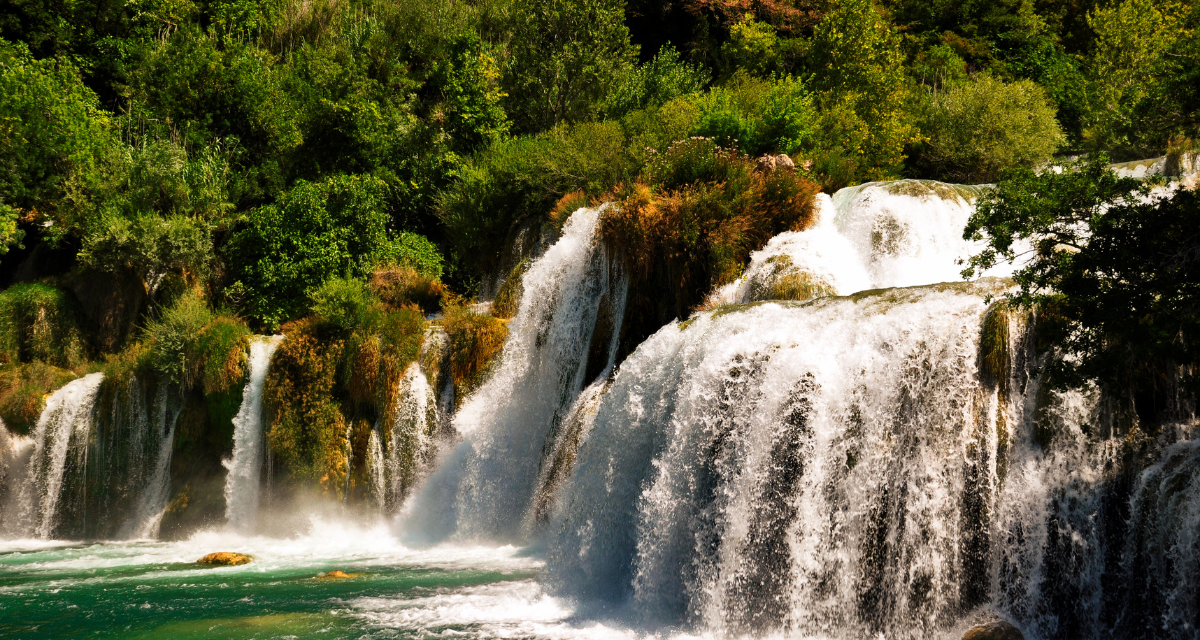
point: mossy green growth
(475, 340)
(23, 392)
(934, 189)
(307, 430)
(338, 368)
(994, 356)
(508, 299)
(41, 323)
(785, 282)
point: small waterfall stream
(64, 425)
(245, 465)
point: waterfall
(63, 425)
(377, 483)
(245, 465)
(485, 486)
(871, 236)
(411, 439)
(850, 467)
(139, 440)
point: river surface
(154, 589)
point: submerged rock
(226, 559)
(998, 630)
(336, 575)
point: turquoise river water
(153, 589)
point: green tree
(1114, 265)
(859, 75)
(316, 231)
(1132, 39)
(52, 130)
(977, 129)
(565, 56)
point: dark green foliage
(1117, 264)
(976, 129)
(524, 177)
(566, 55)
(52, 130)
(315, 232)
(41, 323)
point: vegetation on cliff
(179, 175)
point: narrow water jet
(245, 465)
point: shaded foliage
(1118, 263)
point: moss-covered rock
(23, 392)
(226, 559)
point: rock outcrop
(998, 630)
(226, 559)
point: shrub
(400, 286)
(523, 178)
(23, 392)
(475, 340)
(317, 231)
(758, 116)
(192, 346)
(173, 338)
(654, 83)
(701, 212)
(343, 302)
(41, 323)
(413, 251)
(977, 129)
(150, 246)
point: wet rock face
(225, 559)
(998, 630)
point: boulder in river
(337, 575)
(997, 630)
(225, 559)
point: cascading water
(64, 425)
(245, 465)
(411, 438)
(485, 485)
(853, 467)
(876, 235)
